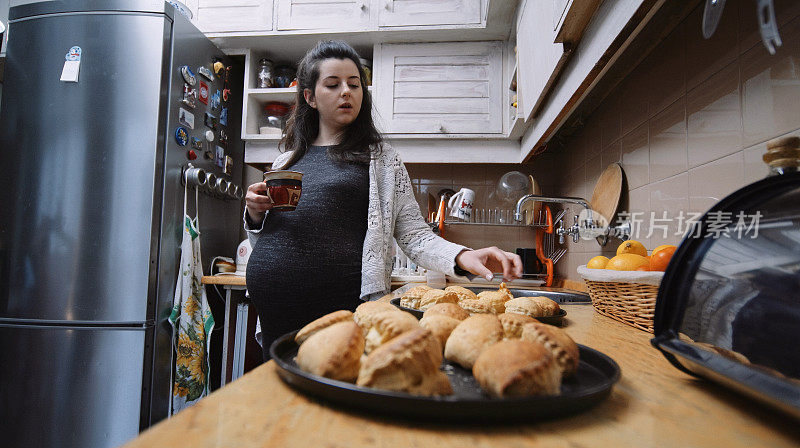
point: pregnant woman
(334, 250)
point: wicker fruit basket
(626, 296)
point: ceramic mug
(461, 204)
(283, 189)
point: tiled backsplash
(481, 178)
(689, 124)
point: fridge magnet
(203, 93)
(181, 136)
(74, 54)
(205, 72)
(223, 116)
(210, 121)
(189, 96)
(219, 67)
(223, 137)
(186, 118)
(215, 100)
(219, 160)
(188, 75)
(197, 143)
(228, 165)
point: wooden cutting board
(607, 191)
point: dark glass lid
(729, 305)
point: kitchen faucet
(589, 223)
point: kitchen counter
(654, 404)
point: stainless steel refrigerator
(91, 206)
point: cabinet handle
(362, 6)
(439, 127)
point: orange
(659, 260)
(632, 247)
(627, 262)
(664, 246)
(643, 268)
(598, 262)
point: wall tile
(636, 157)
(771, 88)
(468, 174)
(592, 138)
(432, 173)
(639, 209)
(665, 71)
(609, 115)
(711, 182)
(594, 168)
(714, 117)
(611, 154)
(704, 57)
(668, 153)
(671, 197)
(634, 92)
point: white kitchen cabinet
(440, 88)
(226, 16)
(539, 57)
(429, 12)
(341, 15)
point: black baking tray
(592, 382)
(556, 320)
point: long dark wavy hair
(360, 140)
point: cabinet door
(225, 16)
(323, 14)
(451, 88)
(429, 12)
(539, 57)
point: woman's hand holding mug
(257, 201)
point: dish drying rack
(544, 222)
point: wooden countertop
(654, 404)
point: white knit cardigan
(393, 212)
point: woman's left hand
(485, 261)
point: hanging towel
(191, 320)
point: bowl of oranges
(625, 286)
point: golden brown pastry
(435, 296)
(387, 325)
(496, 302)
(364, 312)
(524, 305)
(502, 293)
(557, 341)
(411, 298)
(512, 324)
(323, 322)
(477, 306)
(471, 337)
(447, 309)
(440, 325)
(462, 292)
(549, 307)
(333, 352)
(408, 363)
(517, 368)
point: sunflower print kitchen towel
(192, 324)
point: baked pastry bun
(557, 341)
(471, 337)
(512, 324)
(435, 296)
(408, 363)
(364, 312)
(387, 325)
(477, 306)
(447, 309)
(440, 325)
(524, 305)
(502, 293)
(333, 352)
(323, 322)
(517, 368)
(549, 307)
(462, 292)
(411, 298)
